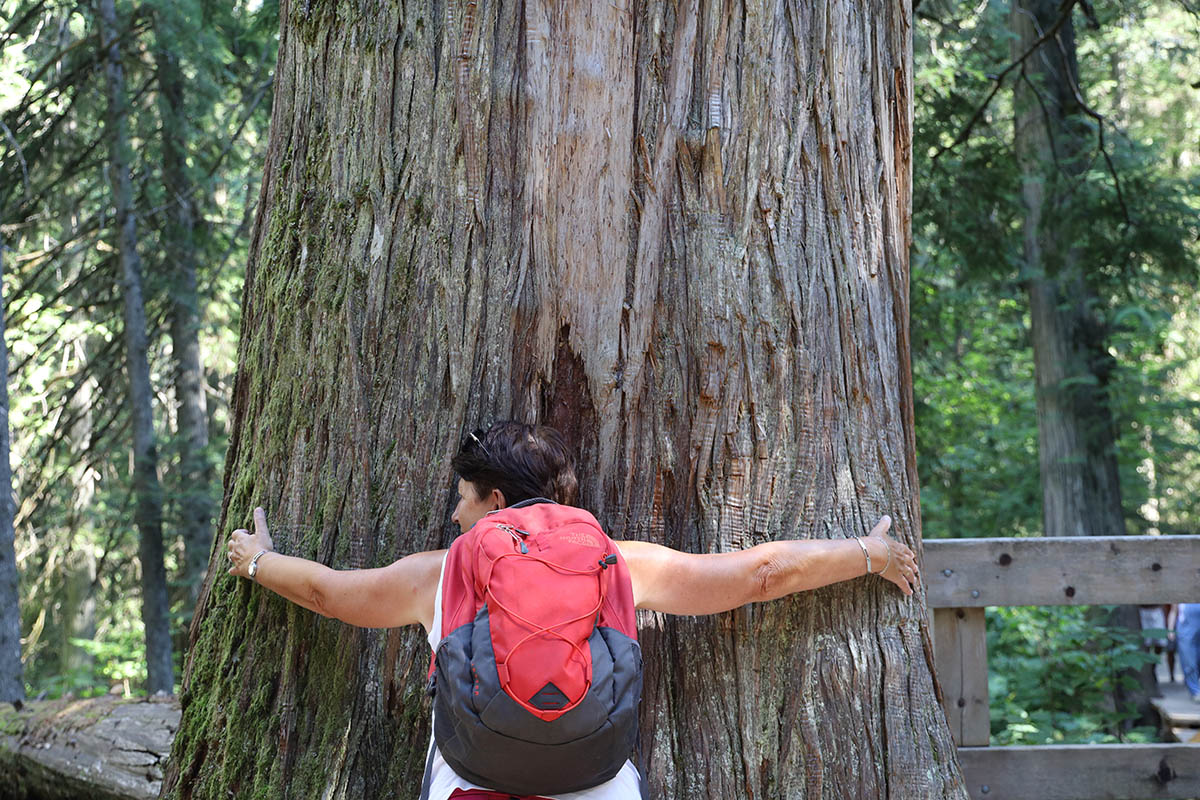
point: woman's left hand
(243, 545)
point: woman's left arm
(674, 582)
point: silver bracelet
(889, 561)
(865, 553)
(252, 570)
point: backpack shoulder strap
(459, 597)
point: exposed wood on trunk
(12, 683)
(103, 749)
(148, 513)
(713, 305)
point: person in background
(1187, 645)
(1154, 618)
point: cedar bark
(148, 493)
(677, 232)
(12, 681)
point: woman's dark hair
(522, 461)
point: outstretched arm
(687, 583)
(401, 593)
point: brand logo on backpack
(579, 539)
(549, 698)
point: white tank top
(444, 780)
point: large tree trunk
(1081, 488)
(148, 513)
(12, 682)
(194, 478)
(680, 234)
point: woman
(513, 463)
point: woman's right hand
(901, 567)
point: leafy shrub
(1052, 674)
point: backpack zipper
(513, 532)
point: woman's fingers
(260, 522)
(882, 527)
(903, 568)
(237, 544)
(242, 544)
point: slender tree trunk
(1081, 488)
(1076, 435)
(12, 682)
(148, 513)
(78, 567)
(679, 233)
(194, 475)
(78, 611)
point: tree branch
(1100, 120)
(998, 81)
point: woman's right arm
(401, 593)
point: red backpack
(538, 675)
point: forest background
(173, 142)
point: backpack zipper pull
(608, 561)
(511, 531)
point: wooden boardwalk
(963, 576)
(1180, 714)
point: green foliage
(75, 540)
(1053, 672)
(1135, 218)
(975, 419)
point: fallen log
(106, 748)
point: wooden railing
(962, 576)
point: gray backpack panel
(489, 739)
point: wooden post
(960, 650)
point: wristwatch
(252, 570)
